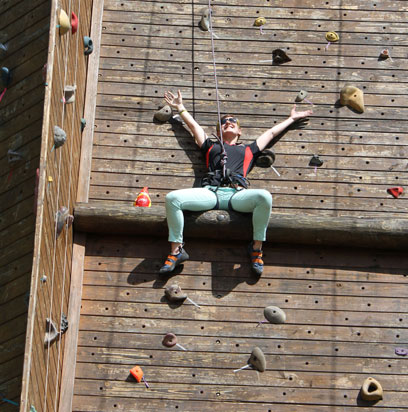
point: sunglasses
(230, 119)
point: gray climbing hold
(257, 360)
(274, 314)
(175, 294)
(205, 19)
(163, 114)
(401, 351)
(14, 157)
(301, 95)
(69, 94)
(51, 332)
(63, 217)
(88, 45)
(59, 137)
(170, 340)
(371, 390)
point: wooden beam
(283, 228)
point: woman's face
(230, 127)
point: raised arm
(266, 137)
(176, 102)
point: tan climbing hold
(301, 95)
(371, 390)
(63, 21)
(274, 314)
(353, 97)
(332, 36)
(260, 21)
(257, 360)
(205, 19)
(163, 114)
(174, 293)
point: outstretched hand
(174, 101)
(299, 115)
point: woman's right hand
(175, 102)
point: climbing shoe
(256, 259)
(174, 260)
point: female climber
(225, 186)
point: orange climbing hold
(143, 199)
(137, 373)
(395, 191)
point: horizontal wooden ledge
(382, 233)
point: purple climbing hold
(401, 351)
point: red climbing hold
(395, 191)
(74, 23)
(143, 199)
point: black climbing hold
(83, 124)
(174, 293)
(5, 76)
(14, 157)
(265, 159)
(257, 360)
(315, 161)
(279, 57)
(64, 324)
(274, 314)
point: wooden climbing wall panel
(149, 47)
(345, 317)
(24, 34)
(51, 266)
(345, 308)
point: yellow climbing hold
(50, 179)
(260, 21)
(353, 97)
(332, 36)
(63, 21)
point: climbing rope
(224, 156)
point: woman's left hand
(299, 115)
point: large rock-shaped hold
(64, 23)
(257, 360)
(60, 137)
(274, 314)
(205, 19)
(163, 114)
(175, 294)
(371, 390)
(353, 97)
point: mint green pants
(257, 201)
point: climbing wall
(153, 46)
(23, 52)
(345, 316)
(58, 163)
